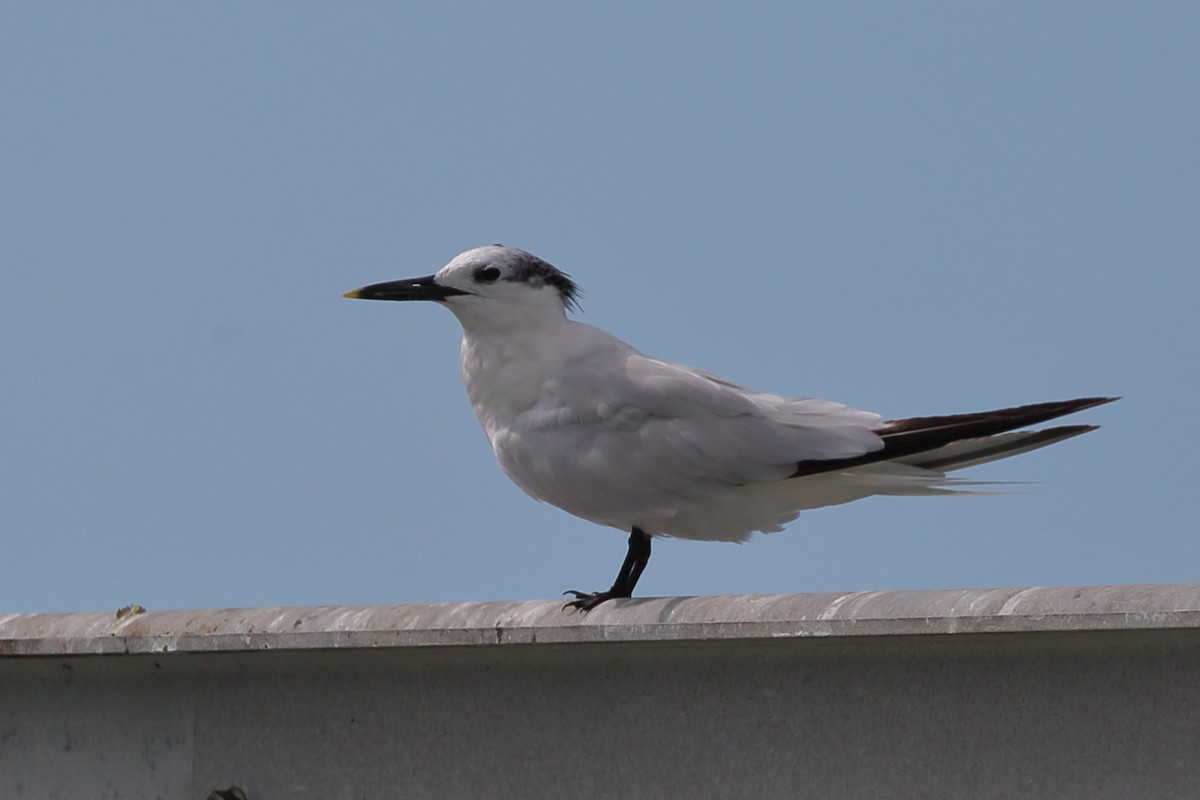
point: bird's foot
(586, 601)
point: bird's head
(486, 287)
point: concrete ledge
(1074, 693)
(667, 619)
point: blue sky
(918, 208)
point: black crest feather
(528, 268)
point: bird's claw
(586, 601)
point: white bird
(583, 421)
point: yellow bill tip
(353, 294)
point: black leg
(635, 562)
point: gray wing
(622, 436)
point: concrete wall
(1060, 692)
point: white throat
(509, 351)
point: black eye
(487, 274)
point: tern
(581, 420)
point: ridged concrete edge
(657, 619)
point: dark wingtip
(1092, 402)
(906, 437)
